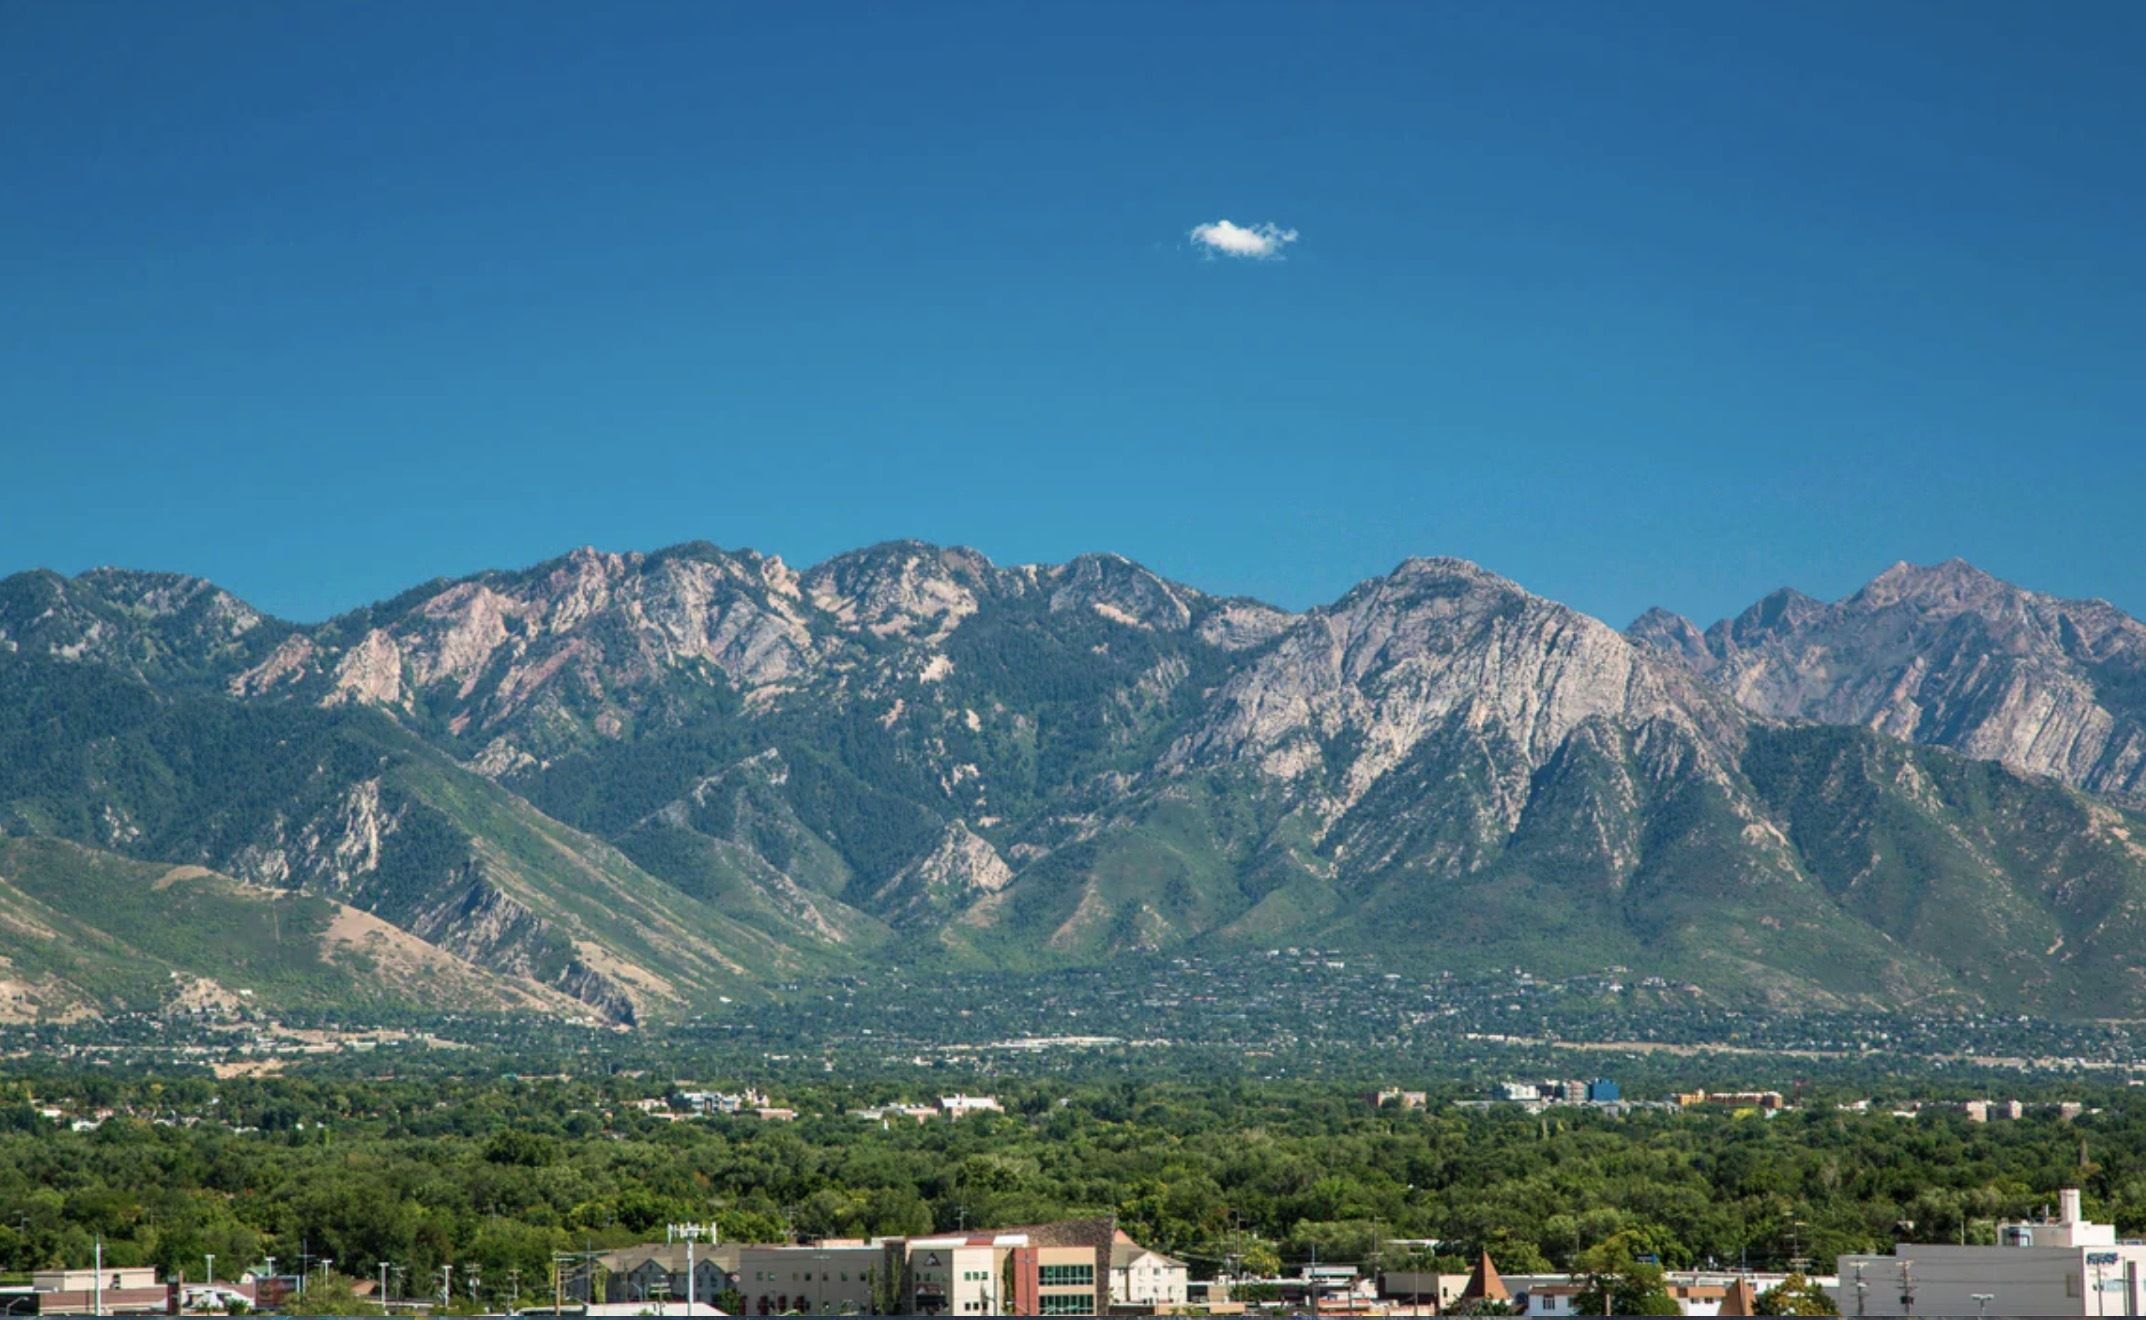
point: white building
(723, 1102)
(959, 1106)
(2065, 1266)
(1139, 1276)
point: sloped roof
(1484, 1284)
(1740, 1299)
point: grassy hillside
(89, 930)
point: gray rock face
(1347, 694)
(1946, 655)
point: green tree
(1616, 1282)
(1796, 1295)
(331, 1294)
(1261, 1260)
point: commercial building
(1056, 1281)
(2062, 1266)
(823, 1279)
(128, 1291)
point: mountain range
(629, 786)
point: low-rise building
(1768, 1100)
(119, 1291)
(1418, 1289)
(723, 1102)
(2063, 1266)
(1140, 1276)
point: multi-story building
(1143, 1277)
(2062, 1266)
(658, 1271)
(960, 1275)
(1057, 1281)
(827, 1278)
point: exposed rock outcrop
(1952, 656)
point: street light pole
(383, 1287)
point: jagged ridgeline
(624, 786)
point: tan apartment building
(958, 1275)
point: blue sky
(1634, 304)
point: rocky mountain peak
(1450, 569)
(1951, 655)
(1124, 592)
(1780, 611)
(1954, 584)
(1670, 632)
(166, 625)
(1348, 693)
(902, 588)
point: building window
(1066, 1303)
(1066, 1276)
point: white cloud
(1261, 242)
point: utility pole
(692, 1233)
(383, 1287)
(97, 1307)
(210, 1277)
